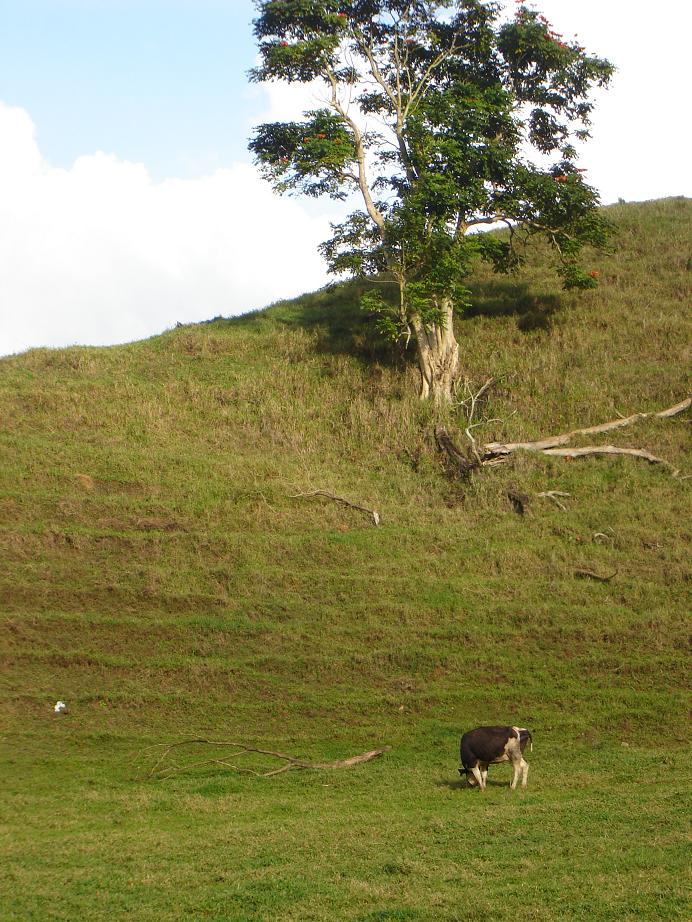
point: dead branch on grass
(564, 438)
(493, 451)
(601, 536)
(611, 450)
(162, 770)
(340, 499)
(589, 574)
(469, 403)
(552, 495)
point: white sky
(100, 254)
(95, 250)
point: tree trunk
(438, 356)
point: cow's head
(470, 777)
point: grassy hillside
(160, 575)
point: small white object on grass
(60, 706)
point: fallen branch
(476, 397)
(552, 495)
(352, 760)
(589, 574)
(554, 441)
(498, 452)
(610, 450)
(470, 404)
(344, 502)
(162, 770)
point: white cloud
(640, 133)
(281, 101)
(101, 254)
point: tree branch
(427, 75)
(492, 219)
(589, 574)
(159, 770)
(472, 401)
(339, 499)
(374, 213)
(611, 450)
(554, 440)
(552, 495)
(493, 452)
(395, 97)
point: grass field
(160, 575)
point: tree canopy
(432, 113)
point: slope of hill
(162, 574)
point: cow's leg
(517, 771)
(479, 778)
(524, 773)
(484, 774)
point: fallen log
(553, 441)
(489, 457)
(493, 452)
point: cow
(486, 745)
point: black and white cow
(485, 745)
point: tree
(428, 110)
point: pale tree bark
(438, 356)
(438, 350)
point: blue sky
(162, 82)
(129, 201)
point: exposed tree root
(163, 768)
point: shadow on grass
(461, 784)
(341, 326)
(506, 298)
(335, 316)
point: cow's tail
(526, 734)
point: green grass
(398, 839)
(159, 574)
